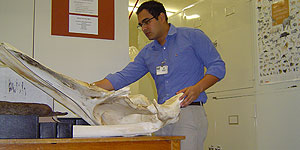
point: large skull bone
(117, 112)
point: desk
(108, 143)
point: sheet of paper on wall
(111, 113)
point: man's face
(150, 26)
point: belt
(197, 103)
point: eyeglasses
(144, 22)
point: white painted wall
(16, 28)
(80, 58)
(278, 121)
(16, 24)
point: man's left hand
(189, 95)
(192, 93)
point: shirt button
(167, 81)
(164, 47)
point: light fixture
(131, 7)
(169, 13)
(187, 7)
(194, 16)
(192, 5)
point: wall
(16, 25)
(16, 28)
(81, 58)
(133, 43)
(133, 34)
(26, 25)
(278, 122)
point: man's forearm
(206, 82)
(105, 84)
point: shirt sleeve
(131, 73)
(208, 54)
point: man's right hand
(105, 84)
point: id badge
(160, 70)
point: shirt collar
(172, 31)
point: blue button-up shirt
(186, 52)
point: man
(176, 60)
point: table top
(89, 140)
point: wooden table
(111, 143)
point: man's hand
(189, 95)
(105, 84)
(192, 93)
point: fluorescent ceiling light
(192, 5)
(187, 7)
(169, 13)
(192, 16)
(130, 9)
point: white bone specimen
(115, 112)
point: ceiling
(170, 5)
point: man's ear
(162, 17)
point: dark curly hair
(154, 8)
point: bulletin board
(278, 39)
(83, 18)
